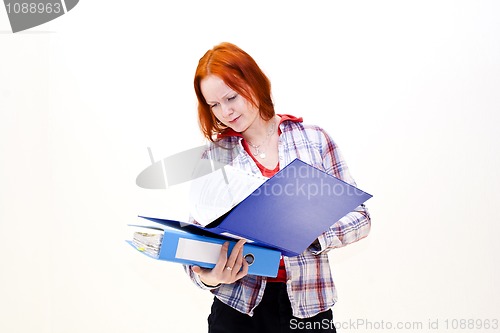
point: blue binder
(287, 212)
(193, 249)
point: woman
(236, 114)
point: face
(230, 108)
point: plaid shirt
(309, 282)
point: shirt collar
(283, 117)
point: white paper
(215, 194)
(228, 234)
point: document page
(215, 194)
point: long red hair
(241, 73)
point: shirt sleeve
(356, 224)
(196, 279)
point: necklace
(259, 152)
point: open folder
(287, 212)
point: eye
(211, 106)
(232, 98)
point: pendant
(262, 155)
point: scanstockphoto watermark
(300, 188)
(435, 324)
(309, 183)
(26, 14)
(357, 324)
(297, 179)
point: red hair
(241, 73)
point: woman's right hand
(228, 269)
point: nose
(227, 110)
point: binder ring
(250, 259)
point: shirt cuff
(203, 285)
(319, 248)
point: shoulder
(315, 134)
(223, 150)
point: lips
(234, 120)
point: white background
(410, 90)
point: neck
(260, 133)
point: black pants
(272, 315)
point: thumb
(196, 269)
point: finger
(239, 262)
(243, 272)
(199, 270)
(222, 261)
(235, 252)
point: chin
(237, 127)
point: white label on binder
(189, 249)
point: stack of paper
(149, 243)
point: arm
(355, 225)
(349, 229)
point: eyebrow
(231, 91)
